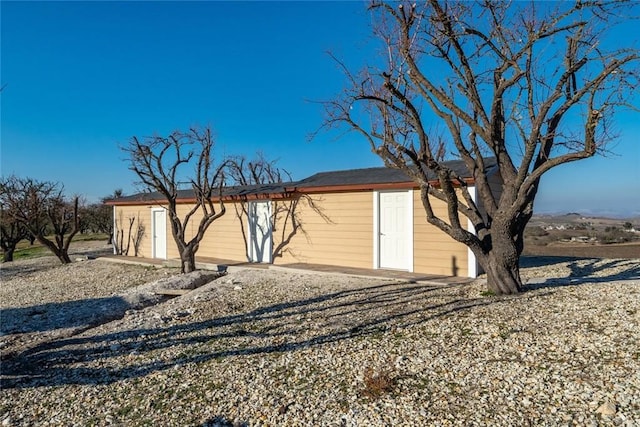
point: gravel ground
(263, 347)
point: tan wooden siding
(141, 215)
(338, 232)
(223, 239)
(434, 252)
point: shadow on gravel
(51, 316)
(47, 261)
(583, 271)
(533, 261)
(10, 270)
(283, 327)
(219, 421)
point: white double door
(259, 240)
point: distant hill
(575, 216)
(574, 219)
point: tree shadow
(586, 271)
(276, 328)
(533, 261)
(94, 253)
(48, 261)
(220, 421)
(56, 315)
(16, 269)
(259, 238)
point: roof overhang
(369, 187)
(187, 200)
(288, 193)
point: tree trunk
(503, 276)
(8, 254)
(63, 256)
(502, 263)
(188, 260)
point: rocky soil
(263, 347)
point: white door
(395, 231)
(159, 233)
(259, 236)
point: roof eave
(227, 198)
(368, 187)
(289, 191)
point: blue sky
(83, 77)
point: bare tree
(40, 206)
(11, 233)
(106, 221)
(158, 161)
(531, 84)
(98, 217)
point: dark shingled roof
(240, 190)
(380, 175)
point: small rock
(237, 288)
(6, 421)
(607, 408)
(624, 399)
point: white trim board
(376, 230)
(472, 262)
(114, 233)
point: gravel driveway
(262, 347)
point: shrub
(377, 383)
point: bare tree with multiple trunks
(42, 208)
(533, 84)
(160, 162)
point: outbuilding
(369, 218)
